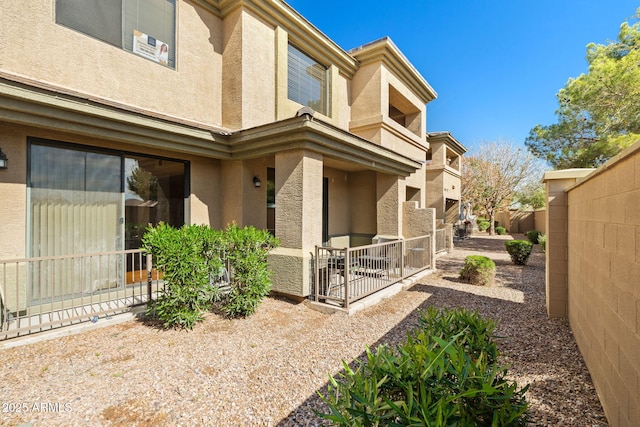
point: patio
(266, 369)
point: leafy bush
(446, 373)
(533, 236)
(246, 249)
(519, 250)
(501, 230)
(187, 257)
(484, 225)
(190, 259)
(542, 240)
(478, 270)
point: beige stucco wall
(603, 269)
(438, 154)
(391, 192)
(540, 219)
(34, 46)
(434, 192)
(249, 71)
(14, 193)
(522, 221)
(418, 222)
(204, 205)
(452, 185)
(364, 211)
(367, 105)
(241, 201)
(339, 202)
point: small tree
(599, 112)
(532, 195)
(494, 173)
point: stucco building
(118, 114)
(444, 174)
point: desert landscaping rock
(266, 370)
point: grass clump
(501, 231)
(519, 250)
(478, 270)
(445, 373)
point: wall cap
(567, 174)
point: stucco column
(391, 192)
(557, 228)
(298, 220)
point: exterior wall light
(256, 182)
(3, 160)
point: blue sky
(495, 64)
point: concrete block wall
(601, 270)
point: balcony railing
(441, 240)
(42, 293)
(345, 275)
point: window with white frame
(144, 27)
(307, 81)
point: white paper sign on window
(150, 47)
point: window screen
(97, 18)
(307, 81)
(116, 22)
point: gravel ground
(266, 370)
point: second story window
(144, 27)
(307, 81)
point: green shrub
(187, 258)
(191, 257)
(519, 250)
(501, 231)
(533, 236)
(446, 373)
(542, 240)
(478, 270)
(246, 249)
(484, 225)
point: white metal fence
(345, 275)
(38, 294)
(441, 240)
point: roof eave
(387, 52)
(315, 135)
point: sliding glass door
(83, 201)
